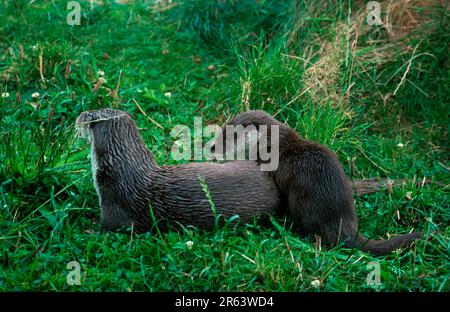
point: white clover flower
(315, 283)
(35, 95)
(100, 73)
(5, 95)
(189, 244)
(168, 95)
(408, 195)
(400, 145)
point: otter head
(235, 142)
(101, 121)
(252, 135)
(245, 131)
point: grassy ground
(375, 94)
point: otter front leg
(113, 217)
(113, 213)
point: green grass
(357, 89)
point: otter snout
(85, 120)
(82, 124)
(83, 117)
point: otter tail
(383, 247)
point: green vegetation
(375, 94)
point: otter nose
(80, 118)
(83, 117)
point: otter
(319, 194)
(134, 191)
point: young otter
(128, 181)
(319, 195)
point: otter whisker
(101, 119)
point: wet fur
(129, 181)
(319, 195)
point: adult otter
(319, 195)
(128, 181)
